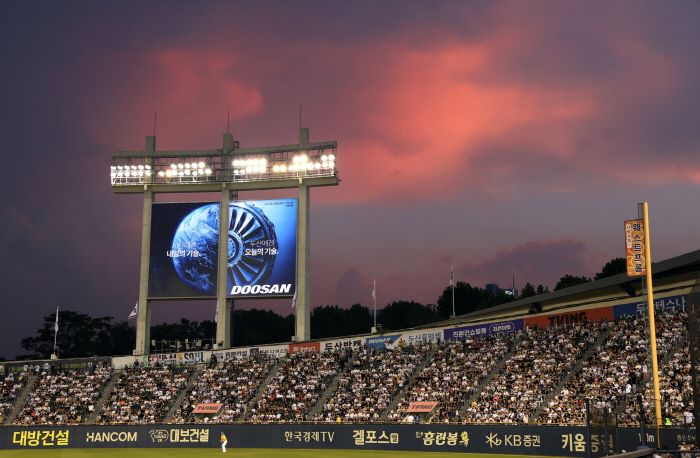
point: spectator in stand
(143, 394)
(10, 386)
(535, 368)
(455, 370)
(296, 386)
(366, 388)
(66, 397)
(231, 383)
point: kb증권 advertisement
(261, 251)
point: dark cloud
(353, 287)
(535, 262)
(462, 128)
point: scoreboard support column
(143, 318)
(303, 312)
(223, 325)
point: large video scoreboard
(185, 247)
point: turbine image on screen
(251, 253)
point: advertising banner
(418, 337)
(192, 357)
(570, 318)
(208, 408)
(343, 344)
(381, 342)
(421, 407)
(639, 307)
(261, 249)
(634, 248)
(232, 354)
(568, 441)
(307, 347)
(481, 330)
(275, 351)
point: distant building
(494, 289)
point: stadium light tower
(226, 170)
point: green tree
(333, 321)
(492, 300)
(613, 267)
(79, 335)
(467, 299)
(257, 327)
(403, 314)
(542, 290)
(528, 291)
(568, 281)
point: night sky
(508, 138)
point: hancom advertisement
(185, 247)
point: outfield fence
(496, 439)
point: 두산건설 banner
(261, 249)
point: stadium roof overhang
(675, 274)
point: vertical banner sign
(634, 248)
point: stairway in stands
(493, 373)
(330, 388)
(261, 389)
(177, 403)
(383, 416)
(21, 397)
(574, 370)
(683, 341)
(104, 397)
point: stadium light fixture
(207, 167)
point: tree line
(81, 335)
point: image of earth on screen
(185, 246)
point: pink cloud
(510, 107)
(191, 90)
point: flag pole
(55, 332)
(652, 322)
(374, 294)
(452, 284)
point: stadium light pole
(230, 169)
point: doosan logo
(262, 289)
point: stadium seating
(10, 387)
(231, 383)
(534, 376)
(295, 387)
(64, 396)
(533, 370)
(455, 370)
(368, 386)
(143, 394)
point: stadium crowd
(545, 375)
(368, 386)
(296, 386)
(618, 369)
(231, 383)
(143, 394)
(674, 375)
(10, 387)
(64, 396)
(453, 374)
(533, 370)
